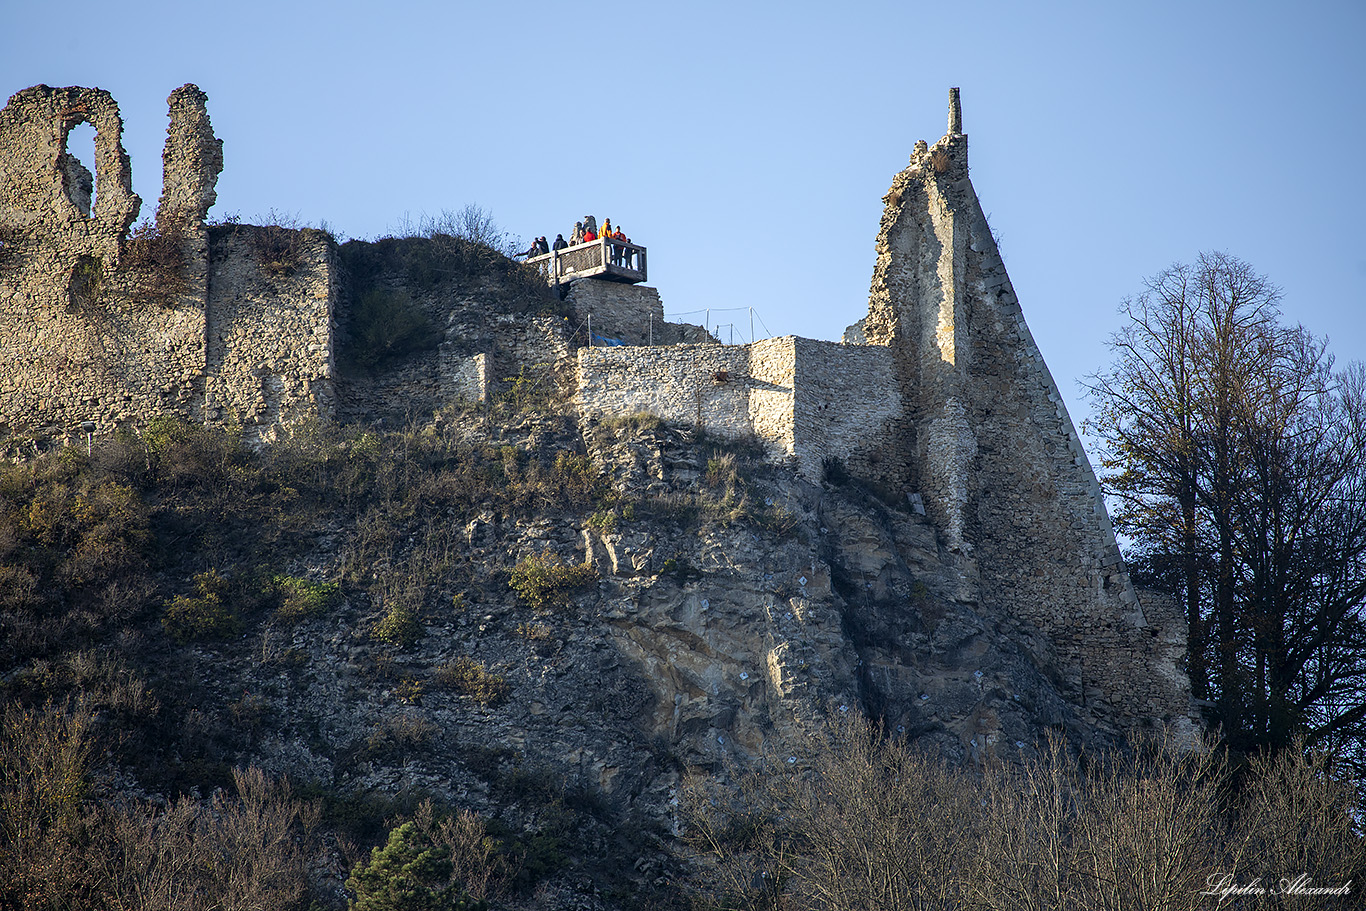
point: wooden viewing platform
(604, 258)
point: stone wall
(45, 191)
(78, 342)
(706, 386)
(515, 347)
(847, 406)
(631, 314)
(471, 378)
(269, 357)
(807, 400)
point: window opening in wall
(78, 167)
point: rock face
(736, 607)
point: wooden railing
(602, 258)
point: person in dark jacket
(560, 242)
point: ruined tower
(102, 325)
(994, 453)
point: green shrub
(604, 521)
(546, 581)
(203, 616)
(576, 479)
(408, 874)
(192, 455)
(409, 690)
(164, 431)
(722, 470)
(534, 632)
(533, 390)
(399, 627)
(469, 678)
(304, 600)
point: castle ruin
(939, 393)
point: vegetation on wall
(156, 260)
(278, 243)
(398, 287)
(386, 325)
(463, 251)
(544, 580)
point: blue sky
(748, 145)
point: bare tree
(246, 851)
(1237, 460)
(1298, 817)
(858, 823)
(473, 223)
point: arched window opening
(78, 167)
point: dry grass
(861, 822)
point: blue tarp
(609, 342)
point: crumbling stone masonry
(179, 318)
(807, 400)
(995, 455)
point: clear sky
(748, 144)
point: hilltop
(379, 520)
